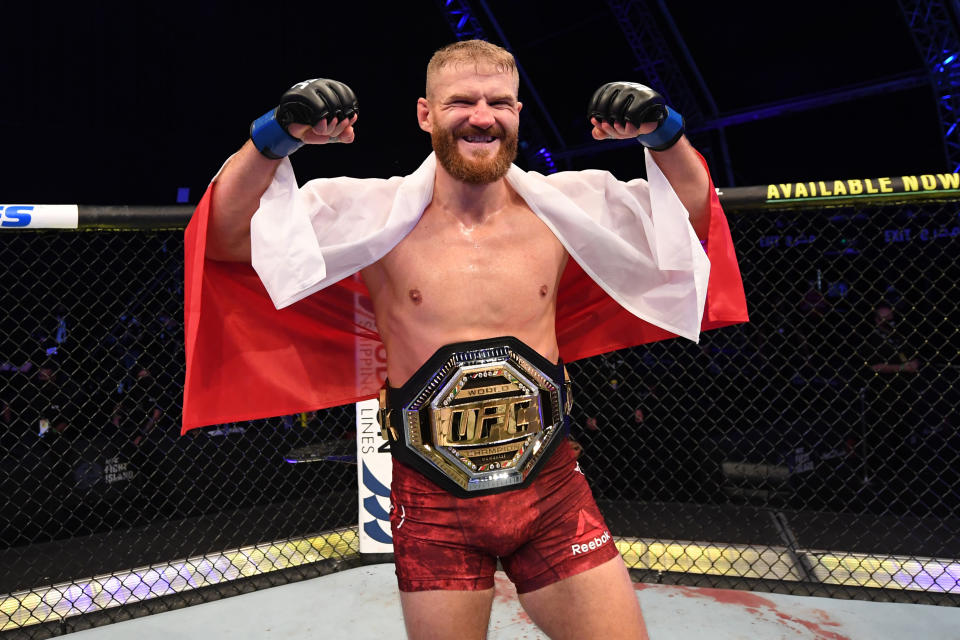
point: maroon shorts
(543, 533)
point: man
(889, 352)
(893, 417)
(458, 263)
(139, 408)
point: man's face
(884, 317)
(473, 118)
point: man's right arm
(236, 196)
(331, 109)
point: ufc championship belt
(478, 417)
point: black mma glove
(306, 102)
(634, 103)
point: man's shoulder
(423, 172)
(353, 182)
(343, 193)
(575, 178)
(571, 183)
(562, 176)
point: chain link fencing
(814, 450)
(105, 500)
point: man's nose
(482, 116)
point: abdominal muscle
(444, 283)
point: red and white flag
(247, 360)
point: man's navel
(415, 296)
(543, 290)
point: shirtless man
(478, 264)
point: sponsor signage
(374, 473)
(862, 187)
(374, 462)
(904, 188)
(38, 216)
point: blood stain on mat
(759, 605)
(506, 593)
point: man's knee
(430, 615)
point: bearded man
(463, 261)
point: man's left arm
(688, 176)
(621, 110)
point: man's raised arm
(316, 111)
(622, 110)
(688, 176)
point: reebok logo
(589, 526)
(596, 543)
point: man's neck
(470, 203)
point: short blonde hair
(478, 52)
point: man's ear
(423, 115)
(519, 106)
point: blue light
(462, 21)
(952, 127)
(548, 159)
(950, 59)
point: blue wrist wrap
(271, 139)
(666, 134)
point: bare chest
(494, 276)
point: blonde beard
(480, 170)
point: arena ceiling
(123, 103)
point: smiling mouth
(479, 139)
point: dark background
(109, 103)
(123, 103)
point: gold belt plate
(485, 423)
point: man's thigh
(441, 615)
(598, 603)
(570, 536)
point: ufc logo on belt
(488, 421)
